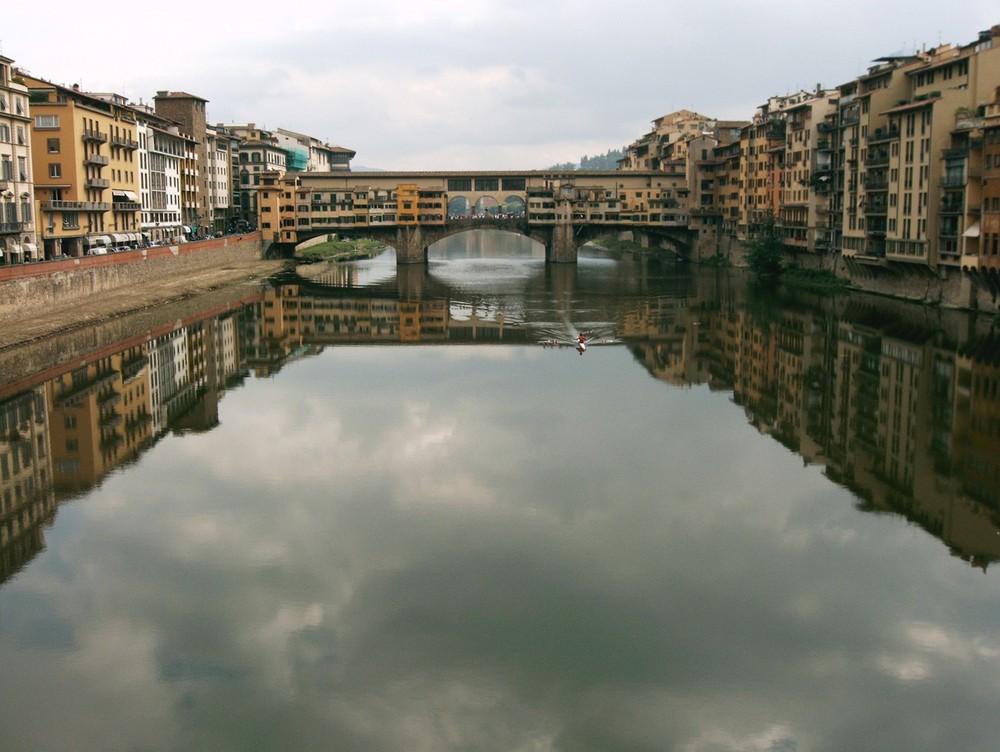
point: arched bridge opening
(464, 207)
(486, 242)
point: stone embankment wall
(946, 287)
(44, 283)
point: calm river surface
(379, 511)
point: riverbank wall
(946, 287)
(46, 283)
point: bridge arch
(486, 242)
(486, 205)
(461, 206)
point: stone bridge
(412, 210)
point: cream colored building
(806, 173)
(18, 240)
(221, 147)
(912, 180)
(653, 150)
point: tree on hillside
(607, 161)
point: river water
(364, 509)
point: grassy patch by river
(341, 250)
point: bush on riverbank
(614, 244)
(341, 250)
(814, 279)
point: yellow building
(85, 169)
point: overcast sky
(504, 84)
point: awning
(185, 228)
(98, 240)
(32, 249)
(131, 237)
(119, 237)
(123, 195)
(14, 250)
(972, 232)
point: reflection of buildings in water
(26, 499)
(100, 417)
(977, 418)
(881, 404)
(910, 425)
(905, 422)
(293, 317)
(665, 336)
(64, 435)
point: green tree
(767, 253)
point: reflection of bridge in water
(535, 303)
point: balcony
(95, 159)
(826, 127)
(95, 136)
(952, 207)
(51, 206)
(882, 135)
(877, 160)
(100, 183)
(775, 130)
(124, 142)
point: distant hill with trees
(606, 161)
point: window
(55, 170)
(4, 133)
(52, 145)
(46, 121)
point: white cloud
(488, 84)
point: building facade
(84, 150)
(18, 239)
(188, 111)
